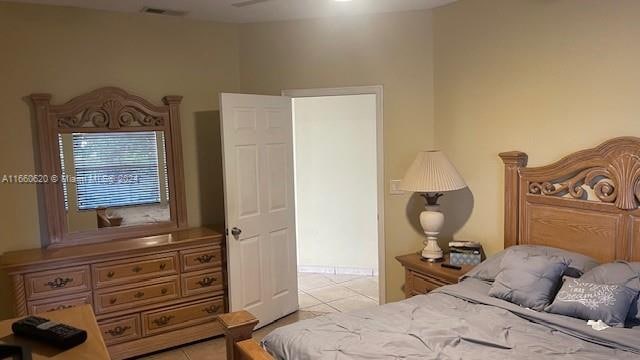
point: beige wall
(544, 77)
(68, 52)
(393, 50)
(336, 182)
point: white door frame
(363, 90)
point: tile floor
(318, 294)
(327, 293)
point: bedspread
(454, 322)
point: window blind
(63, 173)
(116, 169)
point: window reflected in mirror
(114, 179)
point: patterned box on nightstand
(457, 258)
(465, 253)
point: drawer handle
(163, 266)
(138, 295)
(113, 300)
(163, 320)
(213, 309)
(110, 274)
(164, 291)
(136, 269)
(59, 282)
(205, 259)
(207, 281)
(118, 330)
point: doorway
(260, 201)
(339, 194)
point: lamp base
(432, 220)
(432, 251)
(422, 258)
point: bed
(585, 203)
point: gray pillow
(618, 273)
(590, 301)
(489, 269)
(528, 280)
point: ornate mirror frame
(107, 109)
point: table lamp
(430, 175)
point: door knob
(235, 231)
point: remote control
(457, 267)
(52, 333)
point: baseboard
(342, 270)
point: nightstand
(423, 276)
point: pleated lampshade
(432, 172)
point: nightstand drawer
(421, 284)
(422, 276)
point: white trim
(316, 269)
(340, 270)
(361, 90)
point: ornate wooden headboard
(586, 202)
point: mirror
(114, 179)
(119, 159)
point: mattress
(454, 322)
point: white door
(257, 140)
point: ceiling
(254, 10)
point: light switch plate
(394, 187)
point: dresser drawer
(422, 284)
(65, 302)
(201, 259)
(201, 282)
(158, 321)
(134, 270)
(58, 282)
(128, 297)
(121, 329)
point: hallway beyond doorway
(330, 293)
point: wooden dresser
(147, 293)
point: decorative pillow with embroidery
(528, 280)
(618, 273)
(589, 301)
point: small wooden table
(423, 276)
(81, 317)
